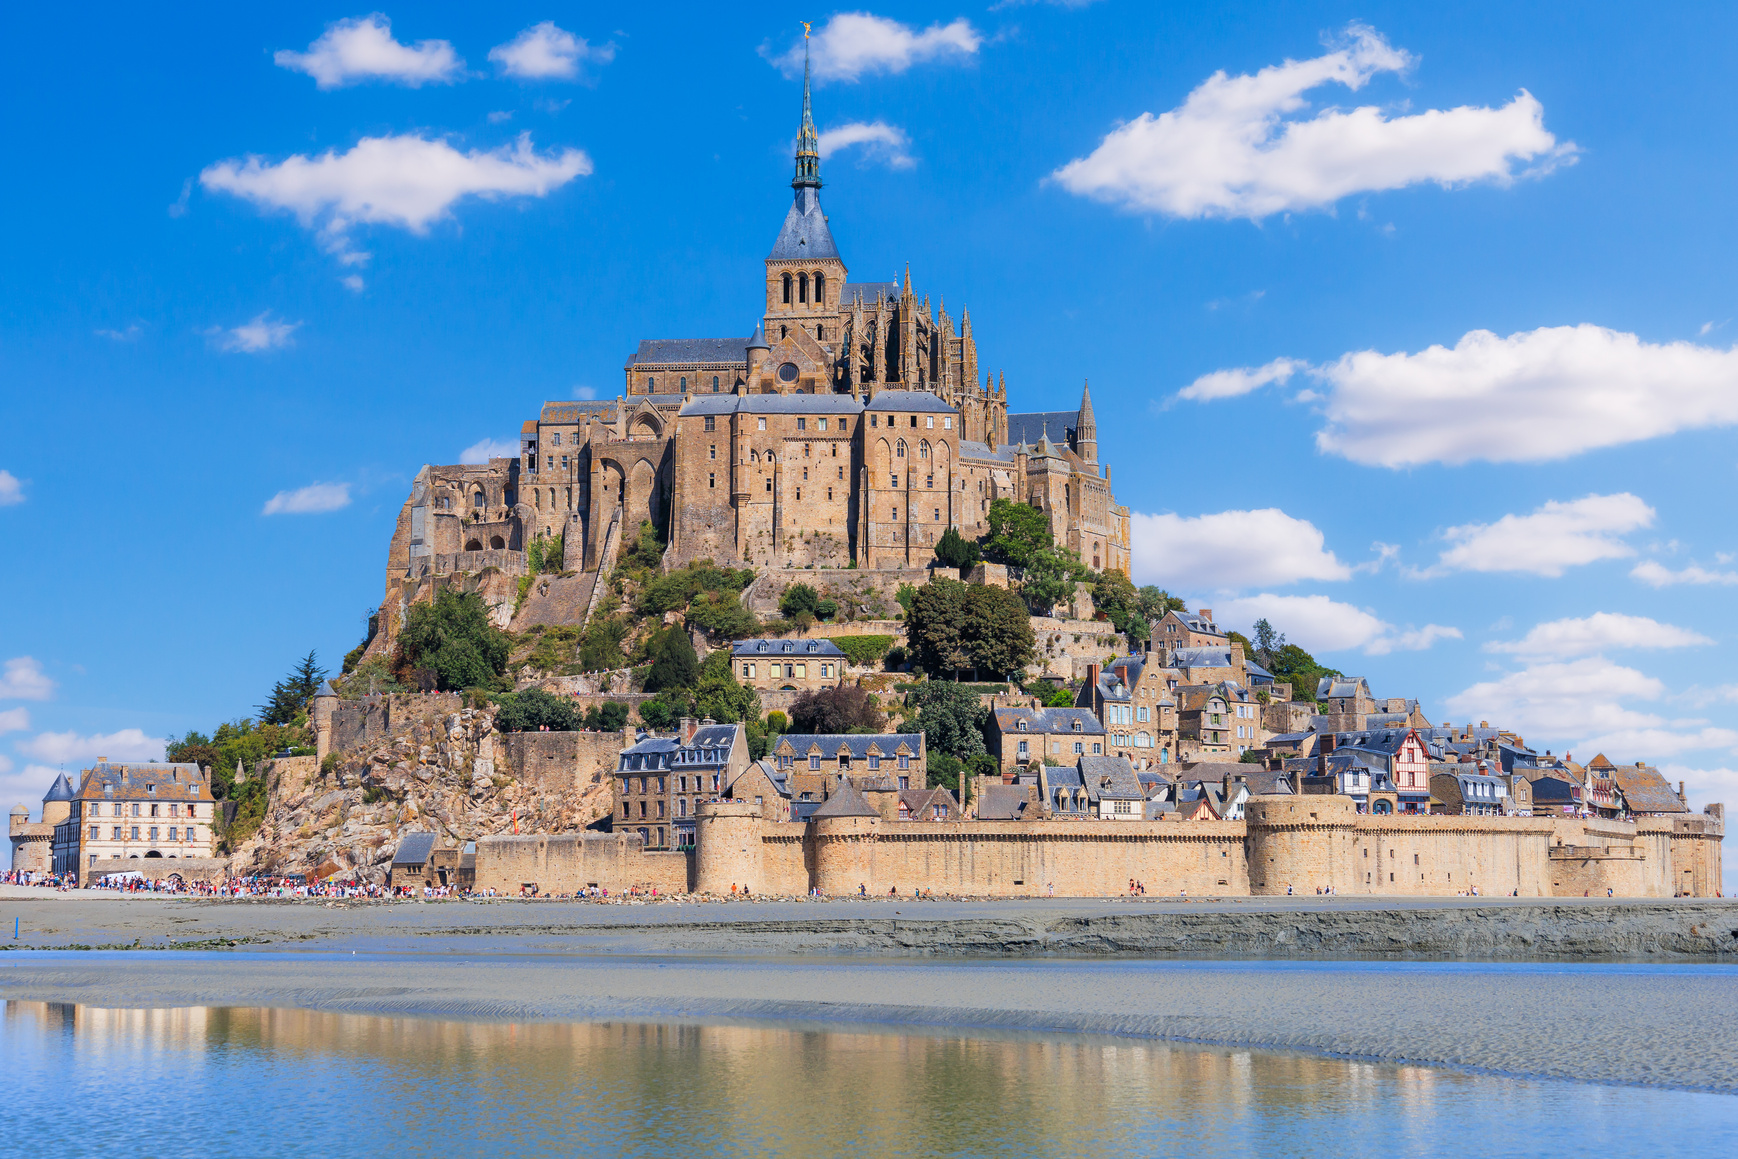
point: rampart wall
(188, 869)
(568, 863)
(1288, 843)
(560, 761)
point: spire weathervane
(808, 141)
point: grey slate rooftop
(690, 351)
(804, 235)
(910, 400)
(1030, 427)
(797, 649)
(414, 849)
(795, 404)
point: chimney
(1680, 784)
(1205, 613)
(1092, 671)
(686, 728)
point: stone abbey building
(853, 427)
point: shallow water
(237, 1081)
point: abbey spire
(1086, 427)
(808, 141)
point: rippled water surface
(229, 1081)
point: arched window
(923, 449)
(787, 285)
(684, 382)
(649, 382)
(714, 384)
(820, 291)
(901, 450)
(497, 542)
(802, 287)
(477, 499)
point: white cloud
(129, 744)
(362, 49)
(1561, 639)
(585, 393)
(14, 720)
(1553, 538)
(313, 499)
(483, 450)
(407, 181)
(22, 678)
(11, 489)
(127, 335)
(1241, 380)
(1655, 574)
(878, 140)
(1230, 549)
(1319, 624)
(853, 44)
(352, 282)
(1704, 786)
(545, 52)
(260, 334)
(1563, 701)
(1231, 151)
(1650, 744)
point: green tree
(720, 695)
(372, 677)
(844, 708)
(955, 550)
(609, 716)
(945, 770)
(289, 696)
(863, 651)
(1051, 573)
(646, 551)
(600, 645)
(797, 599)
(905, 596)
(998, 632)
(674, 664)
(1156, 602)
(453, 640)
(354, 656)
(1017, 532)
(951, 718)
(534, 709)
(1120, 601)
(935, 626)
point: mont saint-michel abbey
(852, 428)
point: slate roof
(690, 351)
(771, 404)
(144, 781)
(1041, 720)
(413, 849)
(1256, 671)
(1110, 778)
(1645, 791)
(920, 803)
(1030, 427)
(1002, 803)
(804, 235)
(1341, 686)
(1266, 782)
(856, 744)
(1201, 658)
(911, 400)
(846, 801)
(982, 451)
(793, 648)
(667, 752)
(573, 412)
(871, 292)
(61, 790)
(1199, 623)
(1551, 791)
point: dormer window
(1077, 724)
(1021, 726)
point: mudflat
(1617, 992)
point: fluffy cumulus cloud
(483, 450)
(1238, 146)
(129, 744)
(362, 49)
(14, 720)
(878, 141)
(856, 44)
(406, 181)
(1564, 700)
(545, 52)
(22, 678)
(1562, 639)
(1551, 539)
(1227, 550)
(314, 499)
(11, 490)
(1658, 575)
(1320, 624)
(259, 334)
(1240, 380)
(1534, 396)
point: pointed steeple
(1086, 428)
(808, 141)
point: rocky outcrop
(443, 774)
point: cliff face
(447, 774)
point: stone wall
(560, 761)
(568, 863)
(357, 724)
(188, 869)
(874, 588)
(1066, 647)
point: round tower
(845, 853)
(727, 847)
(1304, 842)
(324, 708)
(57, 802)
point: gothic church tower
(805, 277)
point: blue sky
(1413, 330)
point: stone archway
(642, 487)
(497, 542)
(153, 853)
(473, 545)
